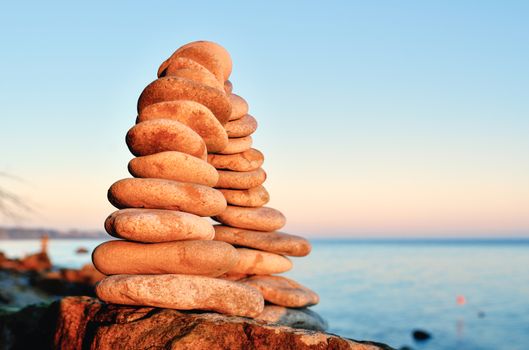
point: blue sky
(375, 117)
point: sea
(466, 294)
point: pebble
(237, 145)
(176, 88)
(166, 194)
(239, 107)
(159, 135)
(274, 242)
(156, 225)
(207, 258)
(282, 291)
(256, 262)
(252, 197)
(209, 54)
(249, 160)
(241, 127)
(194, 115)
(296, 318)
(259, 219)
(240, 180)
(176, 166)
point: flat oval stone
(182, 292)
(160, 135)
(166, 194)
(156, 225)
(209, 54)
(253, 197)
(296, 318)
(192, 114)
(200, 76)
(282, 291)
(228, 87)
(240, 180)
(239, 107)
(176, 166)
(176, 88)
(248, 160)
(237, 145)
(205, 258)
(259, 219)
(256, 262)
(242, 127)
(274, 242)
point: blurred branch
(11, 205)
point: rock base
(85, 323)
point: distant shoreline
(21, 233)
(395, 241)
(54, 238)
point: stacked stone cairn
(192, 141)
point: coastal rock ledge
(86, 323)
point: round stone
(237, 145)
(253, 197)
(208, 54)
(248, 160)
(242, 127)
(194, 115)
(176, 166)
(240, 180)
(182, 292)
(156, 225)
(205, 258)
(259, 219)
(296, 318)
(282, 291)
(274, 242)
(160, 135)
(166, 194)
(256, 262)
(228, 87)
(239, 107)
(176, 88)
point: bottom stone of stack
(182, 292)
(295, 318)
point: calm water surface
(383, 290)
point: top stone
(206, 53)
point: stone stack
(194, 160)
(248, 224)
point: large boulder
(85, 323)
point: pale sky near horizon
(376, 118)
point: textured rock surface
(83, 323)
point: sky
(376, 118)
